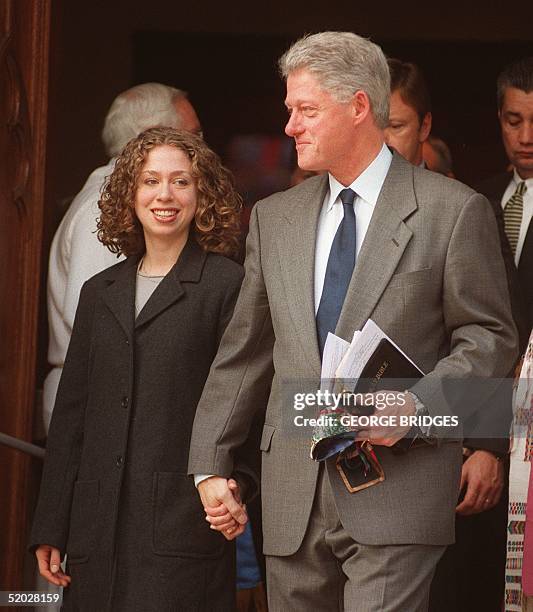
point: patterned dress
(519, 482)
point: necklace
(139, 273)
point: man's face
(189, 119)
(322, 128)
(405, 133)
(516, 120)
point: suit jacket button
(120, 460)
(124, 402)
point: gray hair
(137, 109)
(343, 63)
(519, 75)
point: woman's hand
(49, 560)
(221, 519)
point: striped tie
(512, 215)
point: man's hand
(49, 561)
(391, 405)
(222, 504)
(482, 475)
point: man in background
(410, 111)
(76, 254)
(472, 572)
(410, 120)
(511, 193)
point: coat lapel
(296, 246)
(188, 268)
(120, 294)
(383, 246)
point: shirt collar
(368, 184)
(517, 180)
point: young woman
(115, 495)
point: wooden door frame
(24, 53)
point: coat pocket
(179, 525)
(408, 279)
(83, 520)
(266, 437)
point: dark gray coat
(115, 495)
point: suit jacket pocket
(179, 527)
(266, 437)
(83, 520)
(405, 279)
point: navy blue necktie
(339, 270)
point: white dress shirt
(527, 210)
(367, 187)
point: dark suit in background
(520, 278)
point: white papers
(355, 357)
(334, 350)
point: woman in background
(115, 495)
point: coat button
(124, 402)
(120, 460)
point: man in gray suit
(374, 237)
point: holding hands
(223, 506)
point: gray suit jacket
(427, 275)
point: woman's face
(166, 197)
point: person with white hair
(76, 254)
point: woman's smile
(165, 215)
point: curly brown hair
(217, 217)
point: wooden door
(24, 36)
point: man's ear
(425, 128)
(360, 106)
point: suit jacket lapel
(526, 256)
(382, 249)
(296, 245)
